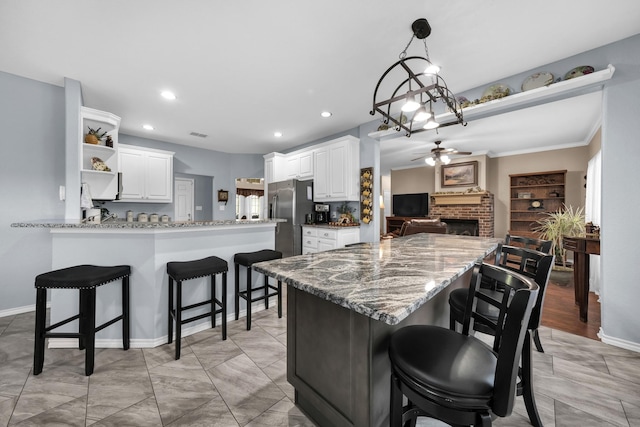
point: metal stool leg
(213, 300)
(266, 291)
(126, 336)
(41, 315)
(527, 383)
(249, 298)
(81, 325)
(224, 305)
(89, 320)
(171, 311)
(536, 340)
(237, 294)
(178, 317)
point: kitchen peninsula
(147, 247)
(342, 306)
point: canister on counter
(154, 217)
(143, 217)
(164, 218)
(129, 216)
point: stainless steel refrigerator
(290, 200)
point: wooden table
(582, 247)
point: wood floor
(561, 312)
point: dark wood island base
(337, 359)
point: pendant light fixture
(419, 72)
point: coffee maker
(322, 213)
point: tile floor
(242, 382)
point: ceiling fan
(440, 155)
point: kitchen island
(147, 247)
(343, 305)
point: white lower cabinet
(319, 239)
(147, 175)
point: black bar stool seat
(180, 271)
(85, 278)
(247, 259)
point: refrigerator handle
(274, 205)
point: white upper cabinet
(147, 174)
(336, 170)
(299, 165)
(274, 168)
(334, 167)
(99, 158)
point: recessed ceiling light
(168, 95)
(326, 114)
(147, 127)
(277, 134)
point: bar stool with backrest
(179, 271)
(86, 279)
(533, 264)
(529, 243)
(455, 377)
(247, 259)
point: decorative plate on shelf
(537, 80)
(496, 91)
(579, 71)
(536, 204)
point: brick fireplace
(466, 206)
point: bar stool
(247, 259)
(187, 270)
(85, 278)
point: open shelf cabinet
(532, 196)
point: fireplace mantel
(458, 198)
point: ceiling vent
(199, 135)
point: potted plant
(564, 222)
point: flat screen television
(411, 204)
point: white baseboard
(617, 342)
(20, 310)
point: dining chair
(455, 377)
(532, 264)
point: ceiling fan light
(411, 104)
(430, 161)
(445, 159)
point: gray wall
(620, 200)
(32, 166)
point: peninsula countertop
(122, 224)
(386, 280)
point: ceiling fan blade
(418, 158)
(462, 153)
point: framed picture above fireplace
(459, 174)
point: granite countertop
(122, 224)
(329, 225)
(385, 281)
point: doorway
(184, 195)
